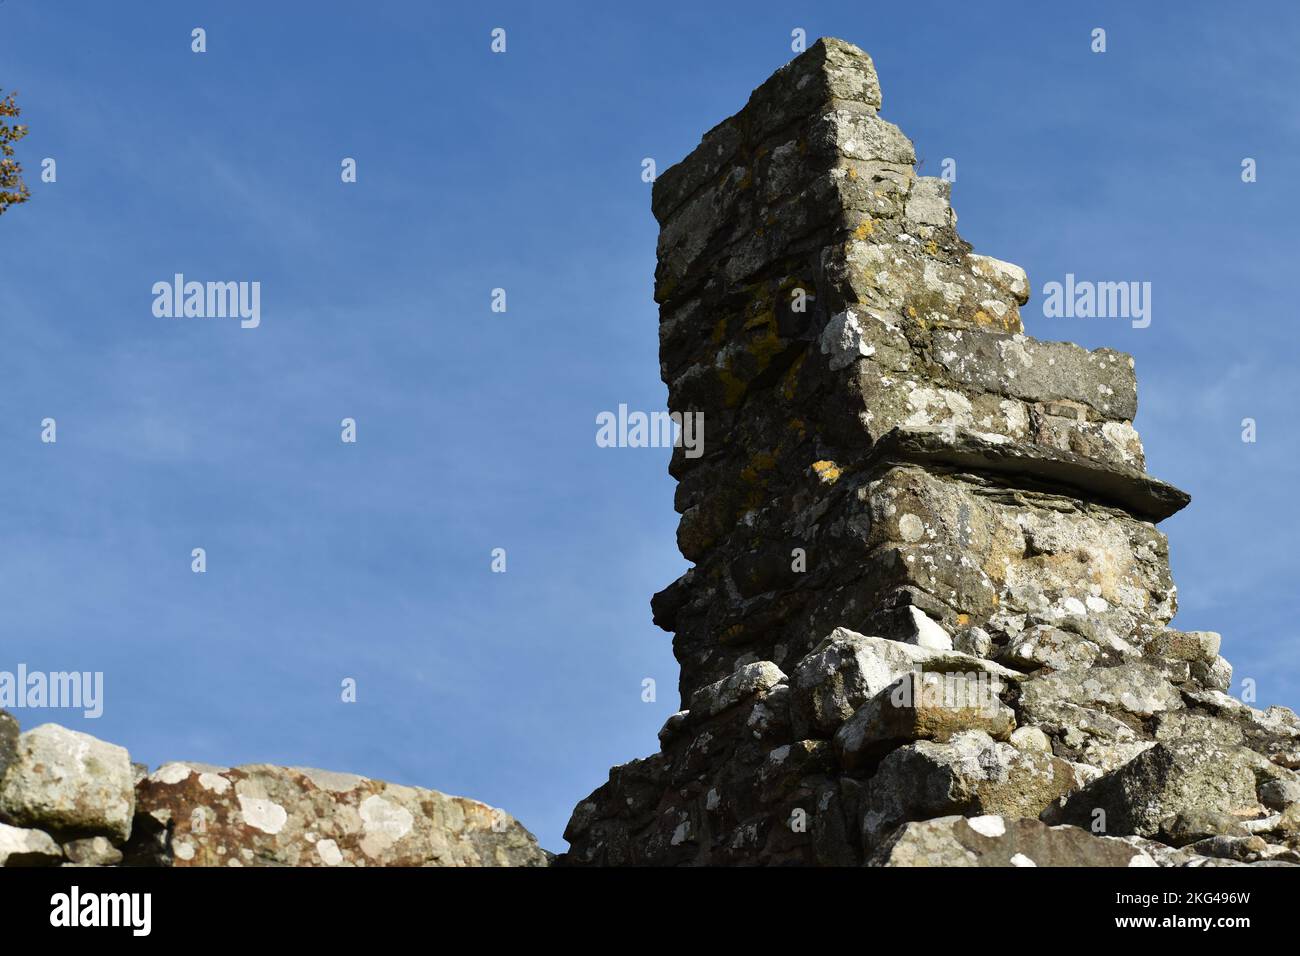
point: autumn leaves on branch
(12, 188)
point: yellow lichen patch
(931, 247)
(761, 462)
(826, 471)
(719, 331)
(853, 173)
(763, 344)
(767, 346)
(665, 288)
(732, 633)
(911, 311)
(766, 343)
(752, 474)
(963, 620)
(1009, 322)
(865, 228)
(791, 381)
(733, 387)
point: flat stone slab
(994, 840)
(1107, 483)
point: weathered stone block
(1188, 777)
(970, 774)
(994, 840)
(922, 706)
(24, 847)
(847, 669)
(1200, 646)
(69, 783)
(749, 680)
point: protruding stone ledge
(1106, 483)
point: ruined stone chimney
(928, 589)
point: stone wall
(69, 799)
(927, 580)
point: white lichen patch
(170, 773)
(991, 825)
(843, 340)
(380, 816)
(261, 814)
(911, 528)
(214, 782)
(329, 852)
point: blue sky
(476, 429)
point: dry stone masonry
(928, 618)
(69, 799)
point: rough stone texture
(970, 450)
(996, 841)
(1184, 778)
(23, 847)
(8, 740)
(259, 815)
(68, 783)
(107, 811)
(1280, 794)
(1126, 691)
(92, 851)
(747, 681)
(847, 669)
(1186, 645)
(901, 489)
(921, 706)
(1046, 646)
(971, 774)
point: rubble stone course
(68, 799)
